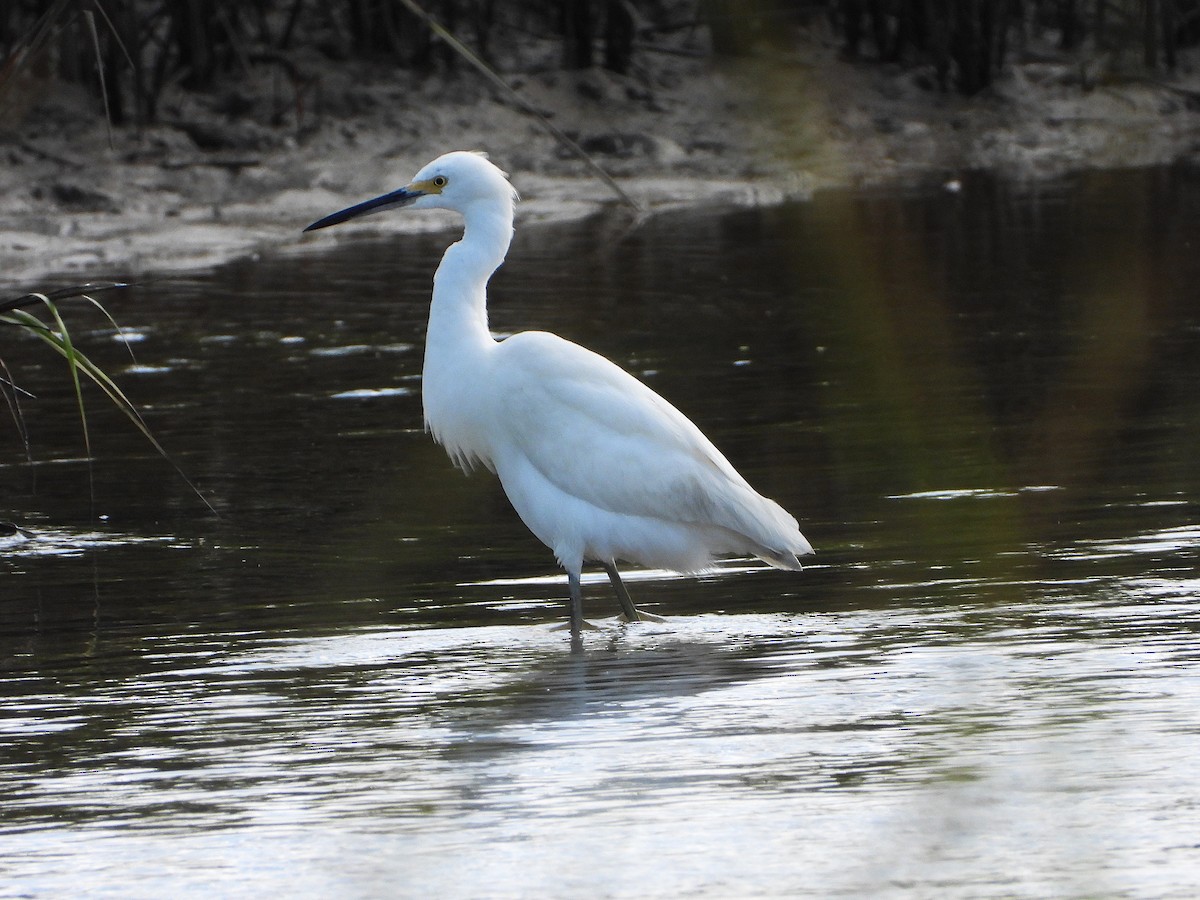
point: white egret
(597, 465)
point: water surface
(983, 407)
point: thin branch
(90, 18)
(466, 53)
(12, 398)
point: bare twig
(12, 398)
(90, 18)
(483, 68)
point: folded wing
(599, 434)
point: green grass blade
(78, 363)
(67, 293)
(67, 349)
(113, 322)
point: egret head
(458, 181)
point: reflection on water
(982, 407)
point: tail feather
(782, 559)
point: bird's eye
(439, 180)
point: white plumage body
(597, 465)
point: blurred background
(925, 271)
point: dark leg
(576, 590)
(614, 576)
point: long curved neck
(458, 344)
(458, 313)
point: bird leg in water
(632, 613)
(576, 590)
(614, 576)
(578, 624)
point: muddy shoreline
(211, 182)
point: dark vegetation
(133, 50)
(968, 43)
(146, 46)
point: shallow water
(983, 406)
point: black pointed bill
(394, 200)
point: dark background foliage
(144, 46)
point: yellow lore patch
(432, 185)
